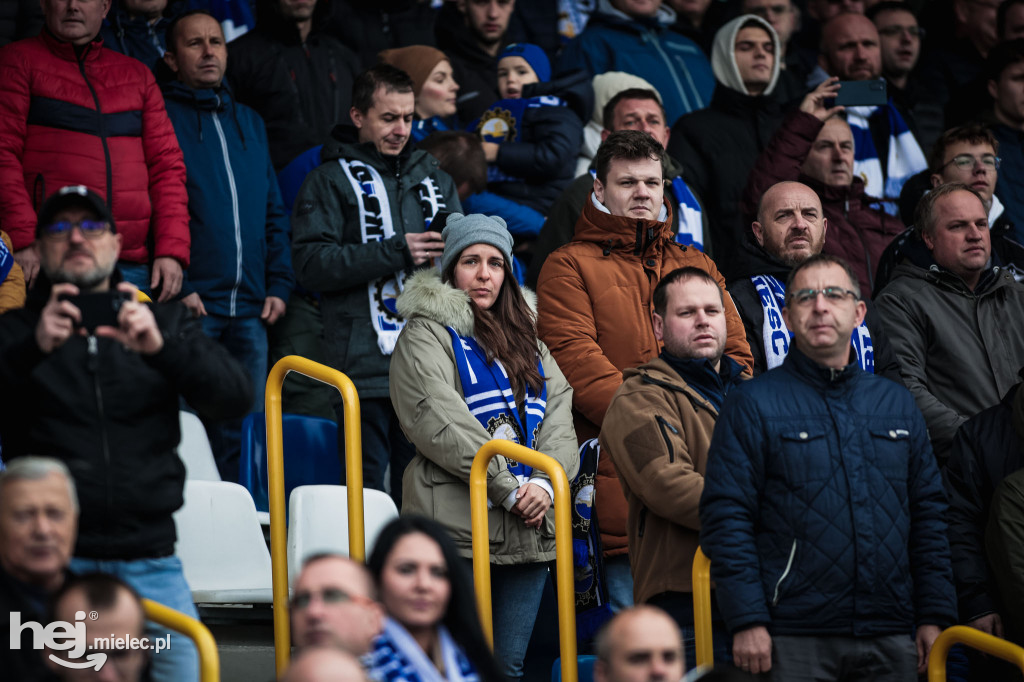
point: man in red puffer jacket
(73, 112)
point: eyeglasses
(895, 30)
(832, 294)
(61, 230)
(331, 596)
(966, 161)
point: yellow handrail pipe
(976, 639)
(564, 584)
(209, 659)
(702, 609)
(275, 482)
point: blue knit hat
(533, 55)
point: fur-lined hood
(425, 295)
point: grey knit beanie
(465, 230)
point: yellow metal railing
(275, 476)
(209, 659)
(702, 609)
(564, 585)
(976, 639)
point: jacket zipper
(93, 365)
(234, 213)
(662, 425)
(789, 565)
(103, 135)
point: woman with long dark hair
(432, 632)
(468, 368)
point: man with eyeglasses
(966, 154)
(954, 320)
(899, 38)
(822, 511)
(95, 380)
(334, 605)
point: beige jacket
(427, 396)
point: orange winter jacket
(594, 300)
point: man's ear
(171, 61)
(993, 89)
(598, 190)
(604, 134)
(356, 116)
(936, 180)
(926, 237)
(824, 229)
(758, 231)
(658, 322)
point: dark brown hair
(924, 214)
(973, 133)
(631, 145)
(608, 113)
(461, 156)
(508, 332)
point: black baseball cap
(73, 196)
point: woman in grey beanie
(468, 368)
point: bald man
(640, 644)
(791, 227)
(851, 50)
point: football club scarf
(776, 336)
(489, 396)
(422, 127)
(396, 657)
(905, 155)
(592, 606)
(6, 261)
(572, 18)
(375, 224)
(503, 122)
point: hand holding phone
(97, 309)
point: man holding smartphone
(887, 152)
(103, 399)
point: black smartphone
(98, 309)
(862, 93)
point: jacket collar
(810, 372)
(205, 99)
(67, 51)
(621, 232)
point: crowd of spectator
(778, 255)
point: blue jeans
(246, 339)
(163, 581)
(516, 593)
(137, 274)
(619, 580)
(383, 443)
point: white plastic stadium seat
(318, 521)
(195, 450)
(221, 545)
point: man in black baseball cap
(76, 239)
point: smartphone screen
(862, 93)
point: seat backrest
(194, 449)
(585, 667)
(318, 517)
(220, 541)
(310, 454)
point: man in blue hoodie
(241, 274)
(634, 36)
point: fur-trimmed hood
(425, 295)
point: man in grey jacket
(360, 224)
(953, 325)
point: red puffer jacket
(97, 119)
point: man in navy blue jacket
(823, 510)
(241, 273)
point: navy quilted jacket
(823, 510)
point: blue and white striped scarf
(905, 155)
(6, 261)
(489, 397)
(396, 657)
(776, 335)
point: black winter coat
(302, 90)
(474, 70)
(986, 450)
(19, 19)
(718, 147)
(111, 416)
(371, 27)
